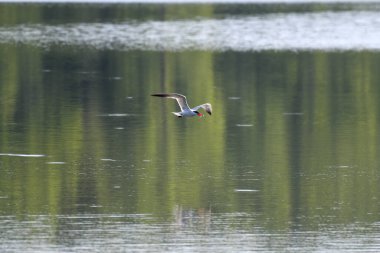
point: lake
(288, 161)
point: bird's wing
(207, 107)
(181, 99)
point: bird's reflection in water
(199, 218)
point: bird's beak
(200, 114)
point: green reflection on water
(299, 129)
(303, 134)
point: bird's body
(186, 111)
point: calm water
(288, 162)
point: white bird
(186, 111)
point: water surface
(90, 162)
(328, 31)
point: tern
(186, 111)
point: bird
(186, 111)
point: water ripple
(22, 155)
(351, 30)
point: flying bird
(186, 111)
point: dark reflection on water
(89, 161)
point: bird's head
(199, 114)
